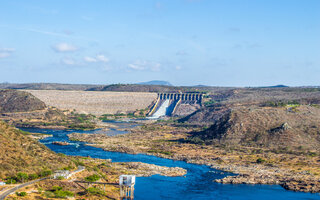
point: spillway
(162, 111)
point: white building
(61, 173)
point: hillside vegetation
(285, 119)
(22, 109)
(19, 101)
(20, 153)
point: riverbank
(254, 166)
(102, 170)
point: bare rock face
(19, 101)
(186, 109)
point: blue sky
(185, 42)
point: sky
(185, 42)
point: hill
(290, 128)
(20, 153)
(46, 86)
(19, 101)
(152, 88)
(277, 118)
(156, 82)
(22, 109)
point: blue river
(195, 185)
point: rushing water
(162, 111)
(196, 185)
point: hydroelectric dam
(167, 103)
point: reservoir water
(196, 185)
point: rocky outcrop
(302, 185)
(144, 169)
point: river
(196, 185)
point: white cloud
(68, 61)
(64, 47)
(6, 52)
(90, 59)
(144, 65)
(178, 67)
(97, 58)
(102, 58)
(8, 49)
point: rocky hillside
(22, 109)
(289, 127)
(274, 118)
(20, 153)
(19, 101)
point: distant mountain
(278, 86)
(200, 86)
(156, 82)
(274, 86)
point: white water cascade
(162, 110)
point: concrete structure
(127, 183)
(181, 96)
(61, 173)
(175, 100)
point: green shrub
(60, 178)
(95, 191)
(56, 188)
(92, 178)
(46, 173)
(260, 160)
(33, 176)
(21, 177)
(21, 194)
(11, 181)
(63, 193)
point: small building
(126, 183)
(2, 183)
(127, 180)
(61, 173)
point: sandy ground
(93, 102)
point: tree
(33, 176)
(21, 177)
(92, 178)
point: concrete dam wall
(167, 103)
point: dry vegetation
(95, 170)
(20, 153)
(97, 103)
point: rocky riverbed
(144, 169)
